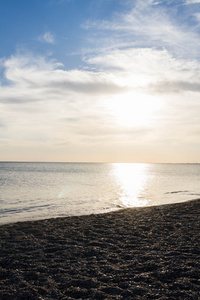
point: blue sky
(25, 23)
(105, 80)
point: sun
(132, 109)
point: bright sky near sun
(106, 80)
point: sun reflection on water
(131, 180)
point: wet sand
(138, 253)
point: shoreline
(134, 253)
(98, 213)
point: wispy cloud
(197, 16)
(192, 1)
(47, 37)
(147, 25)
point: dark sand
(142, 253)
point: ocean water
(30, 191)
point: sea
(34, 191)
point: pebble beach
(135, 253)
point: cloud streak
(192, 1)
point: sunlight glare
(133, 109)
(131, 179)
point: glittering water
(44, 190)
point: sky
(100, 81)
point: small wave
(120, 206)
(24, 209)
(194, 194)
(176, 192)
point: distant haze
(100, 81)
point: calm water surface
(44, 190)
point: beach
(134, 253)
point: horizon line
(95, 162)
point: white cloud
(197, 16)
(146, 25)
(47, 37)
(47, 101)
(142, 68)
(192, 1)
